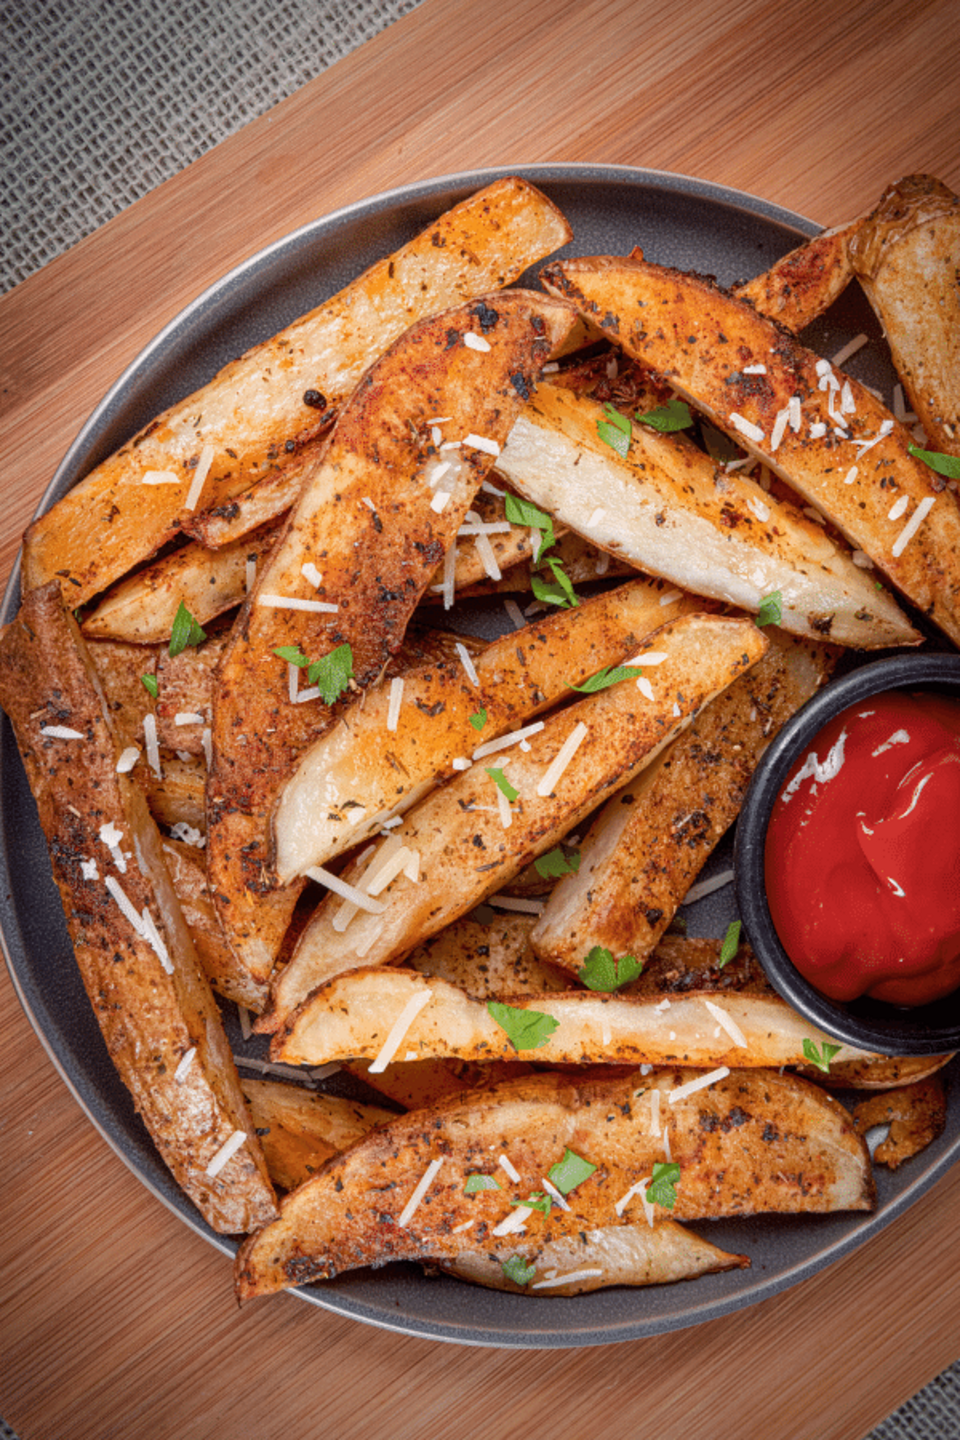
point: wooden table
(117, 1320)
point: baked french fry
(300, 1129)
(841, 449)
(915, 1114)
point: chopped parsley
(822, 1057)
(537, 1201)
(570, 1172)
(149, 683)
(503, 784)
(731, 943)
(185, 631)
(332, 673)
(615, 430)
(478, 719)
(559, 590)
(674, 415)
(771, 609)
(525, 1029)
(662, 1189)
(557, 862)
(476, 1183)
(522, 512)
(517, 1270)
(948, 465)
(610, 675)
(600, 971)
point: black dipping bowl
(869, 1024)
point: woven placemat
(101, 100)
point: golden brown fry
(802, 284)
(583, 752)
(262, 408)
(916, 1115)
(419, 1084)
(158, 1017)
(300, 1129)
(849, 458)
(120, 667)
(651, 840)
(487, 961)
(378, 514)
(780, 1144)
(905, 257)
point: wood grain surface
(116, 1320)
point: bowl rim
(885, 1029)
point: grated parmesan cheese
(399, 1029)
(395, 701)
(467, 663)
(200, 473)
(153, 746)
(850, 476)
(180, 1074)
(310, 572)
(487, 557)
(707, 887)
(505, 741)
(128, 758)
(423, 1185)
(481, 442)
(913, 525)
(562, 759)
(746, 427)
(439, 501)
(345, 891)
(728, 1023)
(516, 1220)
(700, 1082)
(187, 717)
(473, 341)
(851, 348)
(159, 477)
(574, 1276)
(294, 602)
(899, 507)
(520, 903)
(60, 732)
(226, 1153)
(509, 1168)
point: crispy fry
(378, 514)
(916, 1115)
(802, 284)
(767, 1134)
(849, 457)
(905, 257)
(139, 967)
(300, 1129)
(670, 511)
(255, 413)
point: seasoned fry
(802, 284)
(355, 1013)
(487, 960)
(670, 511)
(265, 406)
(848, 456)
(399, 1194)
(300, 1129)
(373, 763)
(419, 1084)
(905, 257)
(176, 795)
(120, 668)
(646, 848)
(378, 514)
(580, 755)
(139, 967)
(915, 1114)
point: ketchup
(863, 852)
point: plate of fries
(388, 660)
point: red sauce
(863, 852)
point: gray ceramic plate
(676, 221)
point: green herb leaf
(662, 1189)
(559, 590)
(476, 1183)
(293, 655)
(478, 719)
(771, 609)
(332, 673)
(525, 1029)
(185, 631)
(537, 1201)
(570, 1172)
(601, 972)
(674, 415)
(517, 1270)
(557, 862)
(820, 1058)
(611, 675)
(521, 512)
(503, 784)
(149, 683)
(615, 431)
(731, 943)
(948, 465)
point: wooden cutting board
(117, 1319)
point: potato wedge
(373, 763)
(300, 1129)
(488, 961)
(418, 1084)
(177, 795)
(915, 1114)
(264, 502)
(120, 668)
(370, 1013)
(806, 281)
(883, 1072)
(262, 408)
(670, 511)
(651, 840)
(780, 1144)
(467, 839)
(639, 1254)
(905, 257)
(848, 456)
(378, 514)
(142, 608)
(158, 1017)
